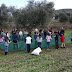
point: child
(71, 38)
(6, 45)
(48, 37)
(56, 39)
(2, 33)
(1, 40)
(28, 42)
(39, 40)
(35, 36)
(62, 41)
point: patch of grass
(68, 32)
(48, 61)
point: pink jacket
(1, 39)
(48, 38)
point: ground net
(21, 45)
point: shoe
(63, 47)
(56, 49)
(47, 49)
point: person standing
(62, 41)
(35, 36)
(6, 44)
(71, 38)
(56, 39)
(45, 32)
(39, 40)
(15, 41)
(62, 31)
(48, 38)
(1, 40)
(28, 41)
(15, 37)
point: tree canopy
(33, 15)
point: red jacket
(62, 38)
(52, 31)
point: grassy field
(49, 61)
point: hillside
(56, 25)
(63, 10)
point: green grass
(49, 61)
(68, 32)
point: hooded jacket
(62, 38)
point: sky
(58, 4)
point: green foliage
(63, 17)
(56, 16)
(35, 14)
(3, 15)
(70, 19)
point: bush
(63, 17)
(70, 19)
(56, 16)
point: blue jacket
(15, 37)
(35, 37)
(57, 37)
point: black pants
(39, 44)
(28, 48)
(14, 41)
(6, 53)
(71, 40)
(57, 46)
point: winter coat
(62, 38)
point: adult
(62, 31)
(12, 31)
(15, 37)
(0, 31)
(45, 32)
(15, 40)
(36, 30)
(8, 34)
(20, 33)
(52, 31)
(35, 36)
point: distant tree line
(33, 15)
(64, 17)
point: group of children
(38, 37)
(4, 38)
(48, 38)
